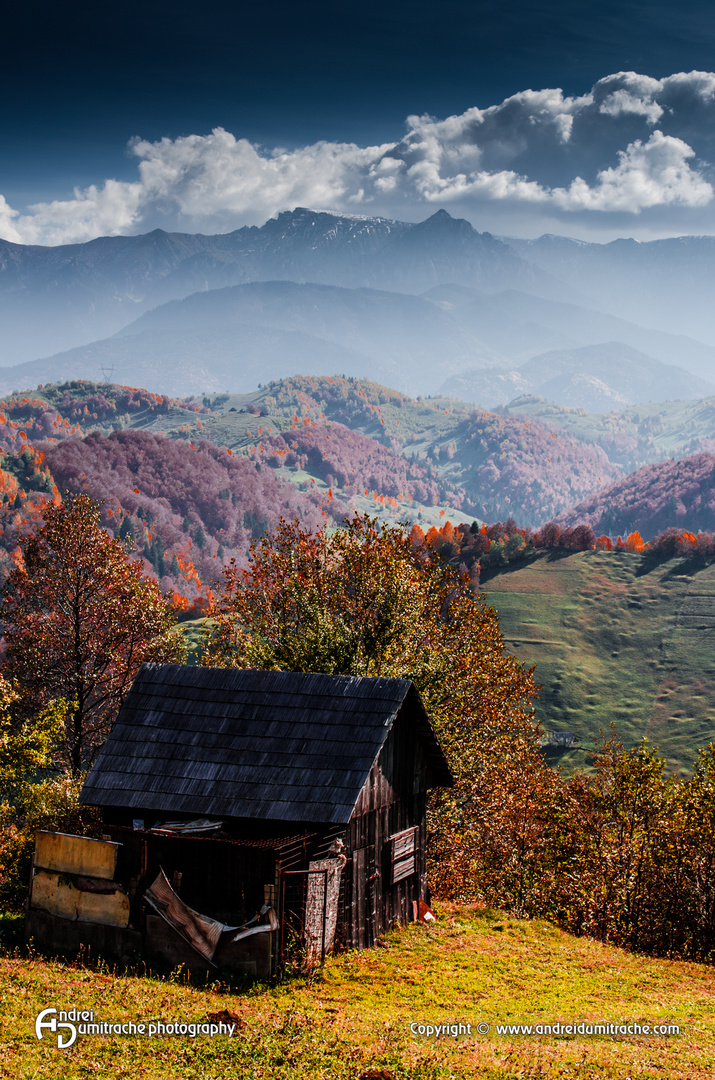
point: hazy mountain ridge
(666, 284)
(93, 289)
(522, 326)
(599, 378)
(232, 338)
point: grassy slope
(616, 638)
(352, 1019)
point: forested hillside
(186, 505)
(191, 481)
(487, 464)
(654, 498)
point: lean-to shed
(246, 788)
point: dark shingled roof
(276, 745)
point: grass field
(615, 637)
(353, 1018)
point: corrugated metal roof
(276, 745)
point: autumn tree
(369, 600)
(79, 618)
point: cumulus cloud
(629, 146)
(7, 222)
(655, 173)
(629, 93)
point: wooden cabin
(252, 811)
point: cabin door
(362, 904)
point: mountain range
(87, 291)
(666, 284)
(421, 306)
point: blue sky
(205, 117)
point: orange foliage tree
(365, 600)
(79, 618)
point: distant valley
(188, 483)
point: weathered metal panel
(61, 895)
(70, 854)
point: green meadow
(616, 638)
(352, 1019)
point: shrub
(50, 804)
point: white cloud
(631, 145)
(8, 230)
(110, 210)
(621, 102)
(649, 174)
(628, 93)
(217, 174)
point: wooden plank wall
(393, 799)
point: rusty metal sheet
(200, 931)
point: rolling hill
(187, 504)
(636, 436)
(233, 338)
(615, 637)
